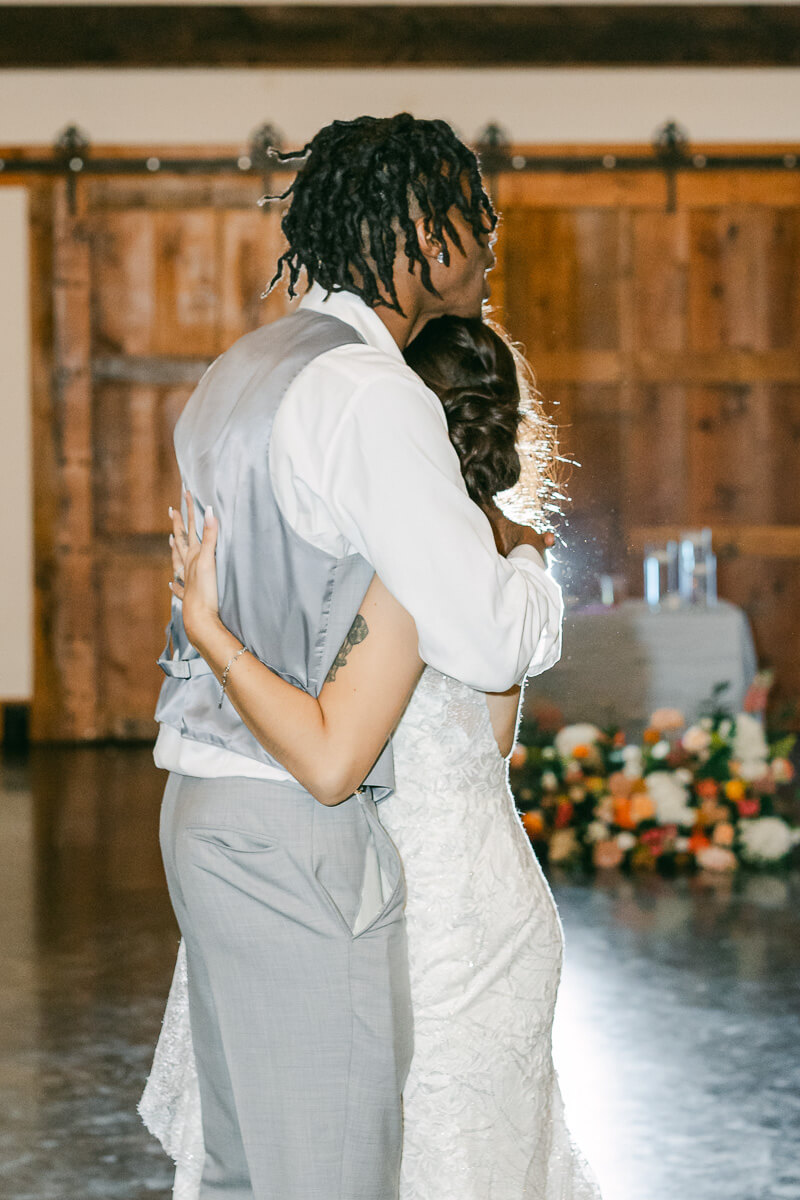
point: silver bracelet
(238, 654)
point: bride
(483, 1116)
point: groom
(325, 459)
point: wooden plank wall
(669, 341)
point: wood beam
(725, 35)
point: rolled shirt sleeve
(393, 486)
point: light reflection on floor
(677, 1034)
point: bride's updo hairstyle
(495, 418)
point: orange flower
(708, 789)
(735, 789)
(651, 736)
(618, 738)
(642, 807)
(723, 834)
(582, 751)
(534, 823)
(698, 841)
(622, 813)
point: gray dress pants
(301, 1026)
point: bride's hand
(508, 534)
(194, 568)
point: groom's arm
(387, 477)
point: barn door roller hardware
(672, 153)
(72, 157)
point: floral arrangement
(714, 795)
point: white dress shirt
(361, 462)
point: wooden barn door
(152, 279)
(671, 344)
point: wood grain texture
(670, 343)
(392, 35)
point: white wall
(16, 525)
(534, 105)
(194, 106)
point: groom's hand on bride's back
(508, 534)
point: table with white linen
(619, 664)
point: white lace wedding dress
(483, 1113)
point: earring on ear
(440, 256)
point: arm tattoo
(358, 631)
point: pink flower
(716, 858)
(748, 807)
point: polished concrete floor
(678, 1031)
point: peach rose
(665, 719)
(622, 813)
(723, 834)
(581, 751)
(651, 736)
(620, 784)
(735, 789)
(607, 855)
(716, 858)
(605, 809)
(518, 757)
(642, 807)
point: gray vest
(290, 603)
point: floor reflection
(677, 1033)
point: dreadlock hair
(495, 418)
(356, 197)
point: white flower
(706, 723)
(626, 840)
(681, 844)
(750, 746)
(725, 727)
(684, 775)
(669, 796)
(696, 739)
(660, 750)
(632, 760)
(575, 735)
(577, 793)
(766, 839)
(549, 781)
(549, 752)
(597, 831)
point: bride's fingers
(210, 529)
(176, 588)
(190, 521)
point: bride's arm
(328, 744)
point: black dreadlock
(353, 196)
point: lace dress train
(484, 1119)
